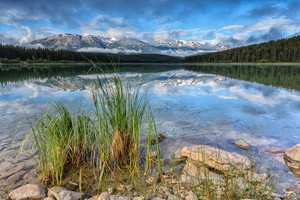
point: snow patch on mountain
(124, 45)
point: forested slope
(10, 53)
(283, 50)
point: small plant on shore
(121, 110)
(100, 146)
(60, 139)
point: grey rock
(138, 198)
(242, 144)
(227, 162)
(15, 177)
(173, 197)
(7, 169)
(29, 191)
(71, 195)
(191, 196)
(292, 159)
(201, 172)
(54, 191)
(157, 198)
(107, 196)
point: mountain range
(123, 45)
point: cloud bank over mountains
(233, 23)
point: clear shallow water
(190, 108)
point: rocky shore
(197, 172)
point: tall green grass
(60, 139)
(107, 141)
(121, 110)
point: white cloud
(115, 51)
(233, 27)
(28, 35)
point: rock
(102, 196)
(292, 159)
(189, 180)
(138, 198)
(157, 198)
(121, 188)
(107, 196)
(129, 188)
(288, 190)
(191, 196)
(242, 144)
(218, 159)
(238, 182)
(15, 177)
(173, 197)
(110, 190)
(165, 190)
(71, 195)
(255, 177)
(49, 198)
(151, 180)
(29, 191)
(54, 191)
(160, 138)
(274, 151)
(153, 154)
(9, 169)
(200, 172)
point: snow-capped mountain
(125, 45)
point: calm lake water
(212, 105)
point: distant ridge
(283, 50)
(123, 45)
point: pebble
(29, 191)
(15, 177)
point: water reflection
(189, 107)
(282, 76)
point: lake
(194, 104)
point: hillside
(283, 50)
(123, 45)
(10, 53)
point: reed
(121, 110)
(60, 139)
(107, 142)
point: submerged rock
(29, 191)
(292, 159)
(218, 159)
(274, 151)
(242, 145)
(160, 137)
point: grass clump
(121, 110)
(101, 144)
(61, 139)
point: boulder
(71, 195)
(191, 196)
(242, 145)
(29, 191)
(49, 198)
(54, 191)
(107, 196)
(200, 172)
(218, 159)
(173, 197)
(292, 159)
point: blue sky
(230, 22)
